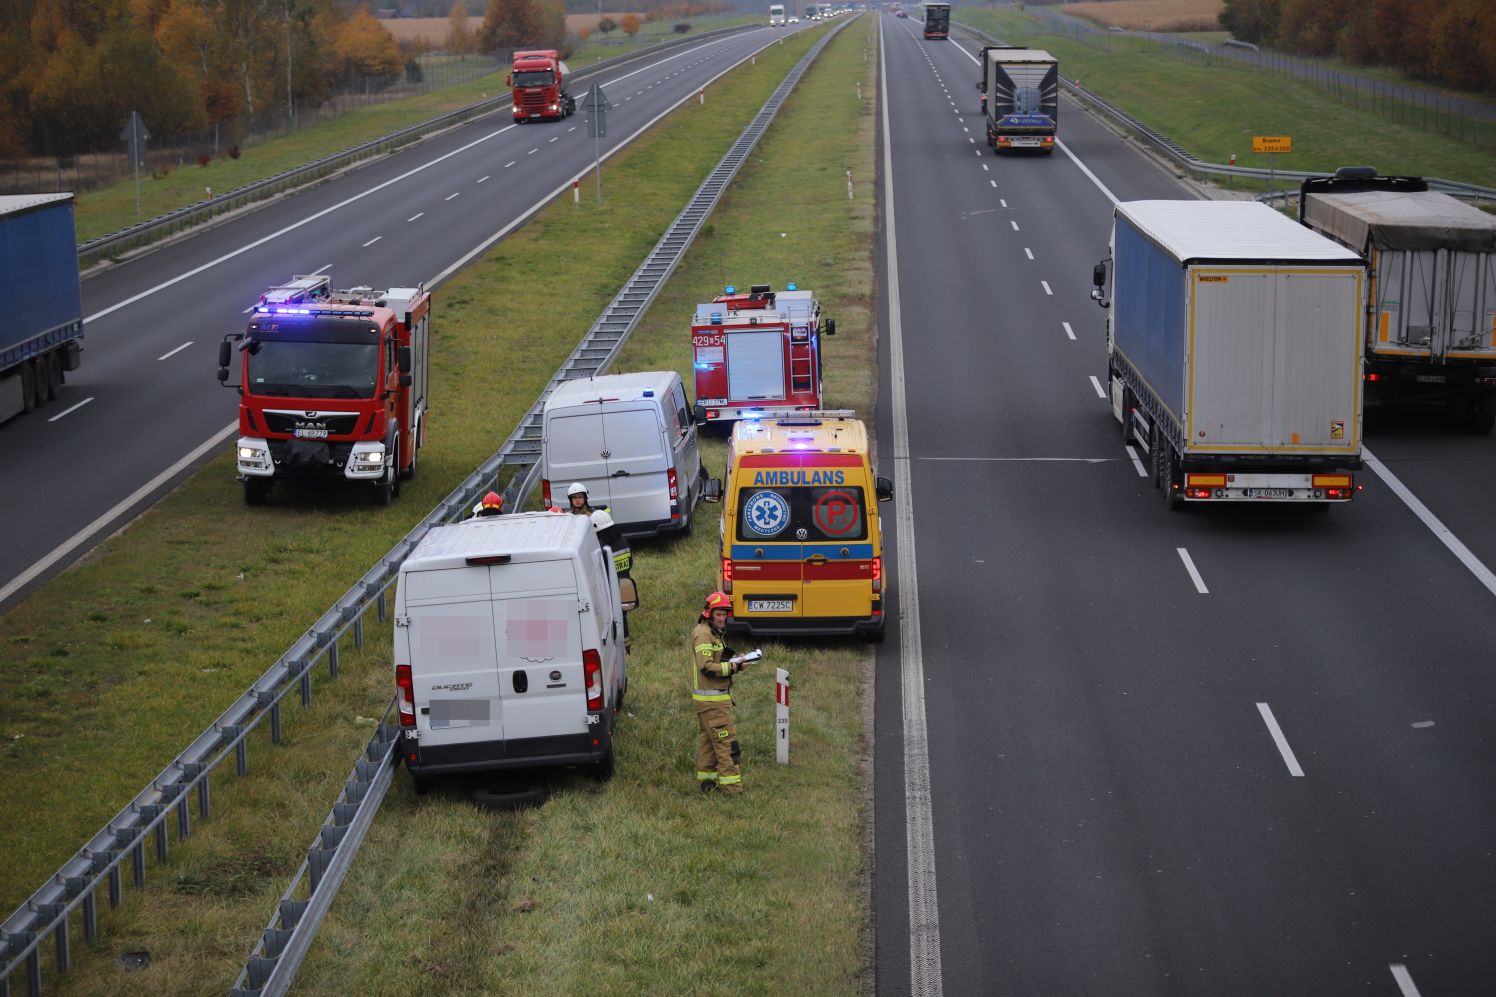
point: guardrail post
(332, 656)
(114, 884)
(358, 633)
(137, 864)
(275, 722)
(184, 819)
(90, 917)
(381, 605)
(306, 680)
(203, 797)
(60, 935)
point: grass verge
(1214, 110)
(113, 208)
(112, 667)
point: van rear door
(574, 451)
(837, 552)
(537, 609)
(454, 668)
(637, 461)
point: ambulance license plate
(770, 606)
(1269, 493)
(311, 434)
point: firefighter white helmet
(576, 488)
(601, 520)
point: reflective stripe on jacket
(712, 682)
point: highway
(144, 409)
(1121, 750)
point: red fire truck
(332, 385)
(757, 350)
(540, 82)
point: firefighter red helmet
(717, 600)
(493, 500)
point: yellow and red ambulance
(802, 548)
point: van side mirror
(883, 488)
(712, 490)
(405, 359)
(628, 594)
(698, 412)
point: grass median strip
(1214, 110)
(118, 663)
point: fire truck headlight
(253, 454)
(370, 458)
(248, 453)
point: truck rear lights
(407, 696)
(1373, 376)
(592, 674)
(1339, 494)
(712, 413)
(1195, 492)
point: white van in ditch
(509, 647)
(631, 440)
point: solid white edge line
(72, 408)
(1474, 564)
(1189, 565)
(1404, 979)
(1100, 391)
(919, 818)
(1282, 743)
(179, 349)
(68, 545)
(1142, 472)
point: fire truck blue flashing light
(731, 290)
(792, 287)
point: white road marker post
(849, 185)
(781, 716)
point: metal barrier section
(169, 797)
(1187, 160)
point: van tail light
(727, 575)
(877, 574)
(674, 487)
(592, 674)
(407, 696)
(545, 492)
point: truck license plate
(1023, 141)
(1430, 378)
(311, 434)
(770, 606)
(1268, 493)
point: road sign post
(134, 136)
(1272, 145)
(597, 126)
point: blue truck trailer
(1234, 351)
(43, 337)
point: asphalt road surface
(145, 409)
(1122, 750)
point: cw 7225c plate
(770, 606)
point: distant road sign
(1272, 143)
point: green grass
(1214, 110)
(113, 666)
(111, 209)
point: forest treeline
(1446, 41)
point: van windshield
(802, 515)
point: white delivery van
(631, 440)
(509, 646)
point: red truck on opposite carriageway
(757, 350)
(332, 385)
(539, 81)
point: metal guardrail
(169, 796)
(147, 232)
(1188, 161)
(272, 965)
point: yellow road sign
(1272, 143)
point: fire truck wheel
(256, 490)
(384, 491)
(415, 457)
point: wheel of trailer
(52, 364)
(257, 490)
(1156, 446)
(28, 387)
(1171, 471)
(1129, 434)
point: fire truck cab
(333, 384)
(756, 350)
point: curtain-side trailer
(1234, 351)
(1431, 309)
(43, 335)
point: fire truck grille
(333, 425)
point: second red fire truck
(756, 350)
(332, 385)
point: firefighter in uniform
(491, 504)
(717, 751)
(610, 536)
(576, 491)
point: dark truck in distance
(43, 336)
(1431, 315)
(1020, 98)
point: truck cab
(332, 386)
(540, 83)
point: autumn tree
(630, 24)
(607, 25)
(511, 24)
(460, 38)
(366, 50)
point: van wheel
(876, 636)
(419, 784)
